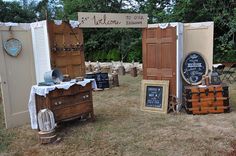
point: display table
(67, 100)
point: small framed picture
(154, 95)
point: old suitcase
(207, 99)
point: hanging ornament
(12, 46)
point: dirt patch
(121, 128)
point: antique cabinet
(68, 104)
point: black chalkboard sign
(193, 68)
(154, 96)
(101, 79)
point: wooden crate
(207, 99)
(66, 49)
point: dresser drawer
(75, 89)
(72, 112)
(69, 100)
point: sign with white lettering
(193, 68)
(111, 20)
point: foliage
(113, 55)
(106, 39)
(14, 12)
(102, 56)
(157, 10)
(221, 12)
(135, 53)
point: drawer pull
(59, 102)
(55, 103)
(85, 96)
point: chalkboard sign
(101, 79)
(154, 95)
(193, 68)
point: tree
(49, 9)
(221, 12)
(106, 39)
(14, 12)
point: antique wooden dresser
(207, 99)
(68, 104)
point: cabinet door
(65, 54)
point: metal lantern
(215, 78)
(46, 120)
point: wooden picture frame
(154, 95)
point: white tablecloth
(44, 90)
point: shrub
(115, 55)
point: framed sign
(193, 67)
(154, 95)
(12, 46)
(101, 79)
(112, 20)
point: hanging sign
(112, 20)
(12, 46)
(194, 66)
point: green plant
(115, 55)
(135, 55)
(102, 56)
(109, 56)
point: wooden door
(66, 48)
(17, 77)
(159, 55)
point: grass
(121, 128)
(5, 136)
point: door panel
(159, 55)
(152, 56)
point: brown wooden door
(66, 48)
(159, 55)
